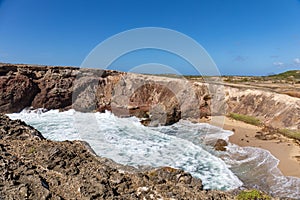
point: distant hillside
(288, 74)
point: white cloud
(297, 61)
(279, 64)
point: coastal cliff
(36, 168)
(157, 100)
(273, 109)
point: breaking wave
(182, 145)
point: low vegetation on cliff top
(252, 195)
(245, 118)
(292, 76)
(294, 134)
(288, 74)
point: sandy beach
(284, 149)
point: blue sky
(243, 37)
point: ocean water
(183, 145)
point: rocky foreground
(32, 167)
(155, 99)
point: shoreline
(283, 148)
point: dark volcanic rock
(220, 145)
(17, 129)
(34, 168)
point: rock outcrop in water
(156, 99)
(32, 167)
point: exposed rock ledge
(159, 100)
(32, 167)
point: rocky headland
(33, 167)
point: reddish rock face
(159, 100)
(38, 87)
(55, 93)
(17, 92)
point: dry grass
(245, 118)
(294, 134)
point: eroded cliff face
(157, 100)
(275, 110)
(40, 87)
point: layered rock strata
(157, 100)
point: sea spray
(182, 145)
(255, 167)
(128, 142)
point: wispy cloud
(294, 63)
(297, 61)
(279, 64)
(240, 59)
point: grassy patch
(31, 150)
(245, 118)
(294, 134)
(285, 77)
(252, 195)
(288, 74)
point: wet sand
(284, 149)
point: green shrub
(31, 150)
(294, 134)
(292, 74)
(245, 118)
(252, 195)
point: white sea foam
(181, 145)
